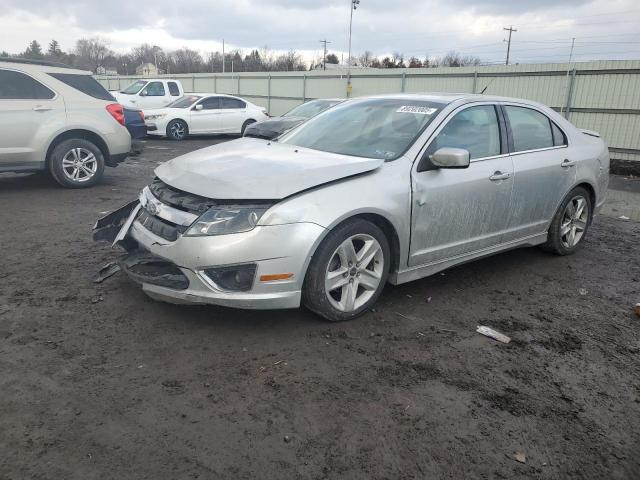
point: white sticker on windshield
(416, 109)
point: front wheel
(177, 130)
(76, 163)
(570, 223)
(348, 271)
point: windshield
(382, 128)
(310, 109)
(184, 102)
(134, 87)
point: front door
(26, 108)
(544, 170)
(207, 119)
(459, 211)
(153, 95)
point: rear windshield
(134, 88)
(86, 84)
(310, 109)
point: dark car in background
(134, 121)
(276, 126)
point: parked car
(58, 119)
(389, 188)
(276, 126)
(134, 121)
(150, 93)
(203, 113)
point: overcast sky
(608, 29)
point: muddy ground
(100, 382)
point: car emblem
(153, 208)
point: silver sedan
(377, 189)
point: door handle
(497, 176)
(40, 108)
(566, 163)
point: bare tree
(366, 59)
(91, 52)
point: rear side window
(559, 138)
(86, 84)
(226, 102)
(154, 89)
(173, 89)
(18, 86)
(531, 130)
(475, 129)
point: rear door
(460, 211)
(153, 95)
(29, 113)
(233, 113)
(544, 169)
(206, 120)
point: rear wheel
(245, 125)
(76, 163)
(570, 223)
(348, 271)
(177, 130)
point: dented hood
(251, 169)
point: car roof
(447, 98)
(30, 66)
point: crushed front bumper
(173, 270)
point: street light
(354, 6)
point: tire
(570, 223)
(76, 163)
(177, 130)
(364, 281)
(245, 125)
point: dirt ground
(101, 382)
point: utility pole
(352, 8)
(223, 55)
(324, 58)
(566, 85)
(510, 30)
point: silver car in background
(380, 189)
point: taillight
(117, 112)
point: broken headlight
(224, 220)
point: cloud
(415, 27)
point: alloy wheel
(354, 272)
(574, 221)
(79, 165)
(177, 130)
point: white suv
(58, 119)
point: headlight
(224, 220)
(155, 117)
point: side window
(475, 129)
(173, 89)
(530, 129)
(211, 103)
(154, 89)
(18, 86)
(226, 102)
(559, 138)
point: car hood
(157, 111)
(252, 169)
(273, 127)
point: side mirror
(199, 107)
(451, 158)
(143, 93)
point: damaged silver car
(375, 190)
